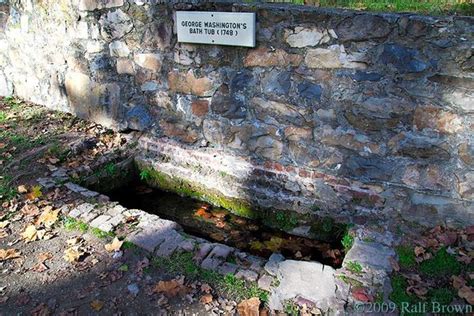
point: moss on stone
(169, 183)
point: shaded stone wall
(359, 116)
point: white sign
(220, 28)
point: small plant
(444, 296)
(183, 263)
(3, 117)
(100, 233)
(354, 267)
(36, 192)
(399, 294)
(291, 308)
(71, 223)
(56, 150)
(284, 221)
(6, 190)
(110, 169)
(129, 245)
(145, 174)
(441, 264)
(406, 256)
(347, 241)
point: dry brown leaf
(30, 233)
(249, 307)
(97, 305)
(170, 288)
(73, 254)
(114, 245)
(466, 293)
(206, 288)
(43, 256)
(3, 233)
(206, 299)
(4, 224)
(419, 251)
(22, 189)
(458, 282)
(30, 210)
(48, 217)
(6, 254)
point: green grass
(399, 294)
(58, 151)
(7, 192)
(100, 233)
(347, 241)
(145, 174)
(442, 264)
(354, 267)
(3, 117)
(444, 296)
(71, 223)
(236, 288)
(434, 7)
(406, 256)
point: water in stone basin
(218, 224)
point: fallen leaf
(170, 288)
(360, 294)
(206, 288)
(4, 224)
(22, 189)
(6, 254)
(48, 217)
(419, 251)
(206, 299)
(43, 256)
(249, 307)
(35, 193)
(30, 210)
(30, 233)
(466, 293)
(73, 254)
(97, 305)
(458, 282)
(115, 245)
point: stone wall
(355, 115)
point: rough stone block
(101, 219)
(81, 209)
(211, 263)
(372, 255)
(74, 187)
(311, 280)
(227, 268)
(203, 251)
(265, 282)
(91, 5)
(149, 61)
(264, 57)
(248, 275)
(172, 240)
